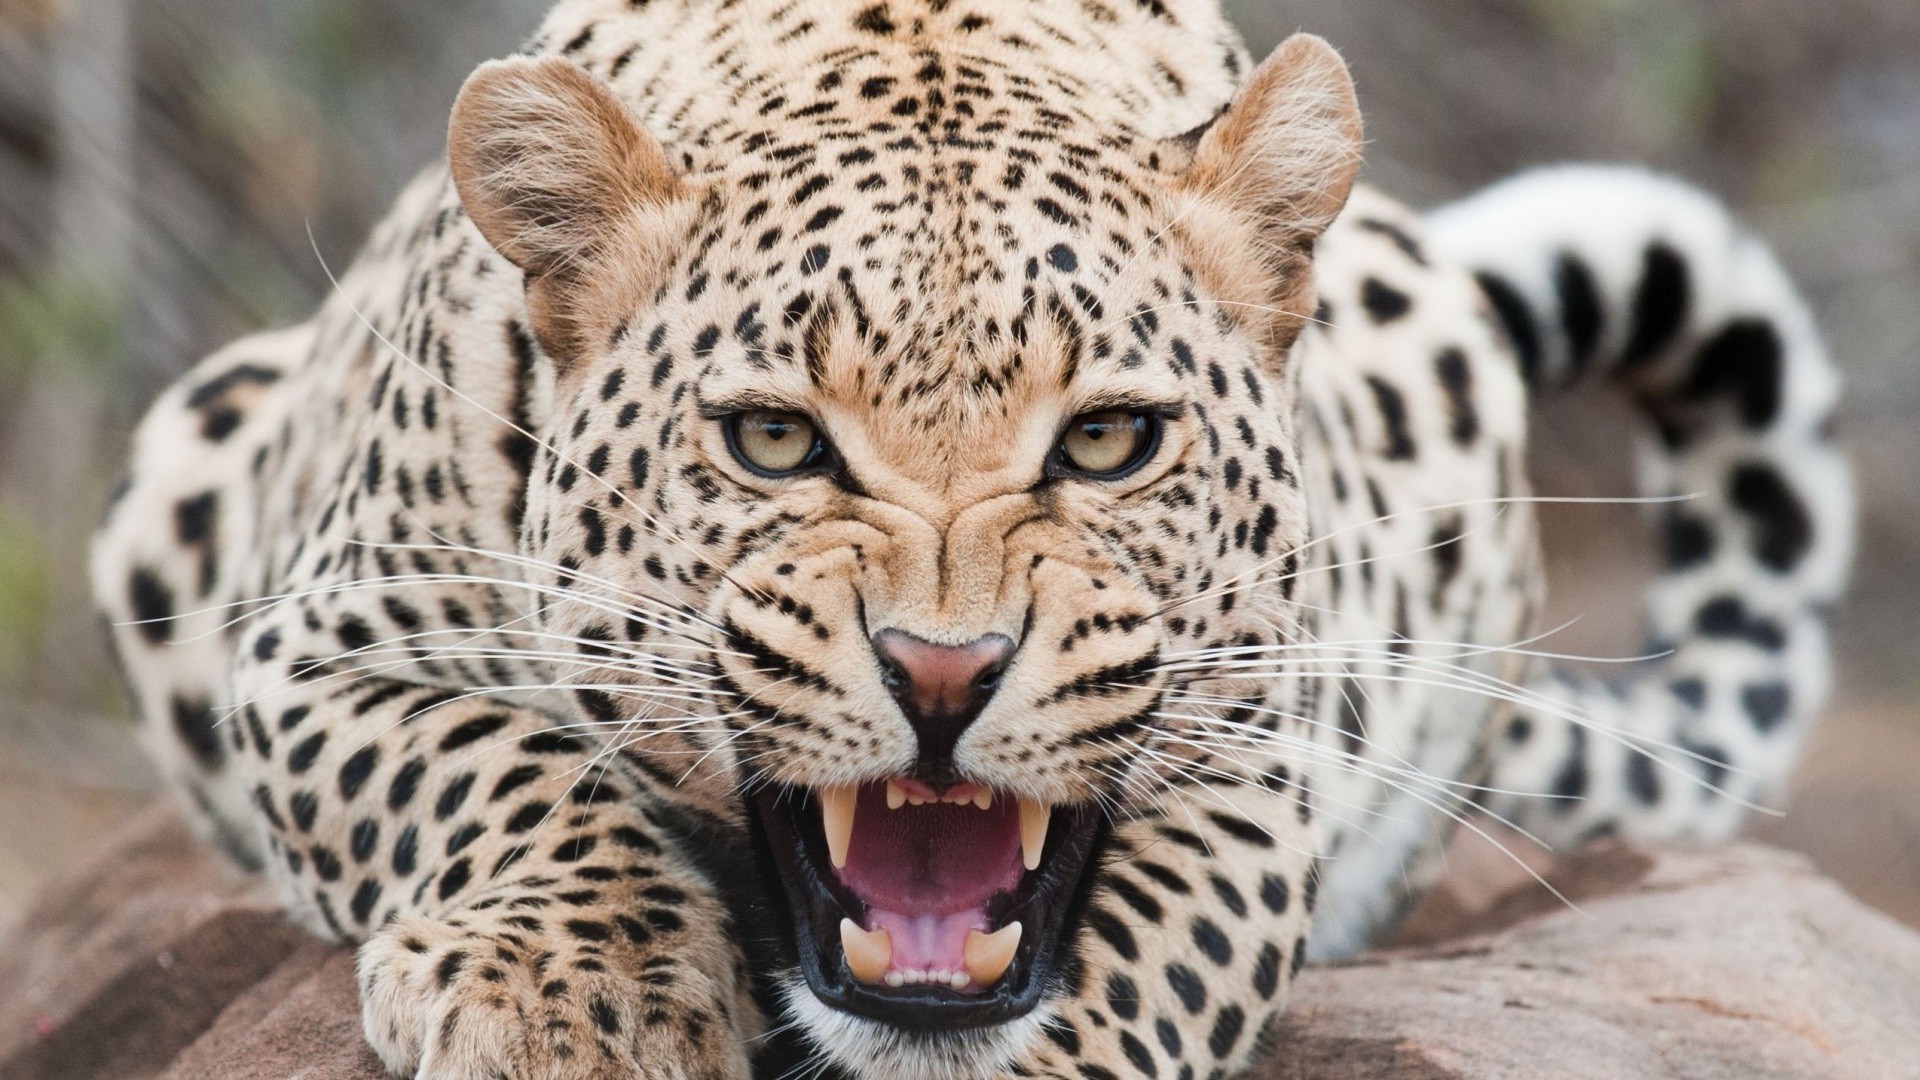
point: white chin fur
(866, 1048)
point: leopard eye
(774, 444)
(1109, 445)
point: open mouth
(927, 906)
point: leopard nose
(940, 688)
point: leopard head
(906, 432)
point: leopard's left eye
(1109, 445)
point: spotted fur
(452, 613)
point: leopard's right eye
(775, 444)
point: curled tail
(1618, 277)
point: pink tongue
(927, 872)
(928, 942)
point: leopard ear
(1269, 175)
(563, 181)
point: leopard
(948, 539)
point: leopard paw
(485, 994)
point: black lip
(1047, 901)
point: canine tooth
(989, 954)
(1033, 831)
(896, 795)
(868, 951)
(983, 799)
(836, 814)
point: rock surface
(1738, 963)
(152, 962)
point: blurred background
(168, 167)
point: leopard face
(896, 463)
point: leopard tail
(1616, 277)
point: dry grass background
(162, 163)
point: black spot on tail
(1711, 760)
(1743, 362)
(1580, 312)
(1642, 781)
(1689, 540)
(1659, 306)
(1511, 309)
(1570, 785)
(1767, 703)
(1783, 530)
(1400, 237)
(1728, 617)
(1691, 691)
